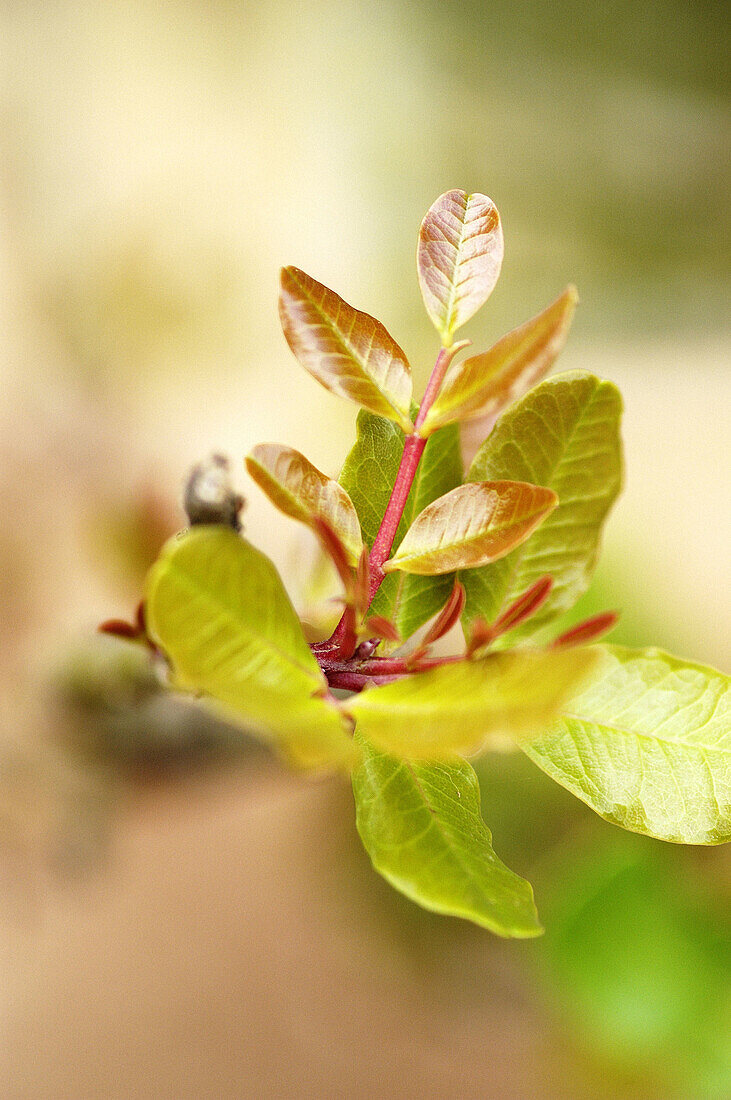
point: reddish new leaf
(348, 352)
(301, 491)
(337, 553)
(472, 525)
(443, 623)
(525, 606)
(383, 628)
(485, 384)
(479, 636)
(459, 257)
(447, 617)
(119, 628)
(588, 631)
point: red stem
(386, 666)
(356, 681)
(413, 450)
(445, 357)
(410, 458)
(354, 676)
(342, 641)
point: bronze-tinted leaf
(471, 526)
(301, 491)
(459, 257)
(349, 352)
(486, 384)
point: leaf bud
(209, 497)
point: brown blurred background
(179, 916)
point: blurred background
(179, 916)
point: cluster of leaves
(640, 736)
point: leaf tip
(288, 272)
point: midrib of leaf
(224, 611)
(457, 265)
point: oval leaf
(368, 476)
(472, 525)
(421, 826)
(301, 491)
(218, 610)
(470, 705)
(459, 258)
(486, 384)
(564, 434)
(648, 746)
(348, 352)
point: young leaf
(337, 554)
(587, 631)
(422, 828)
(647, 745)
(526, 605)
(348, 352)
(472, 525)
(120, 628)
(217, 609)
(378, 627)
(462, 707)
(480, 634)
(458, 259)
(564, 434)
(301, 491)
(368, 476)
(485, 384)
(447, 617)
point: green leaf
(348, 352)
(472, 525)
(368, 476)
(459, 258)
(421, 827)
(648, 746)
(218, 610)
(486, 384)
(469, 705)
(564, 435)
(301, 491)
